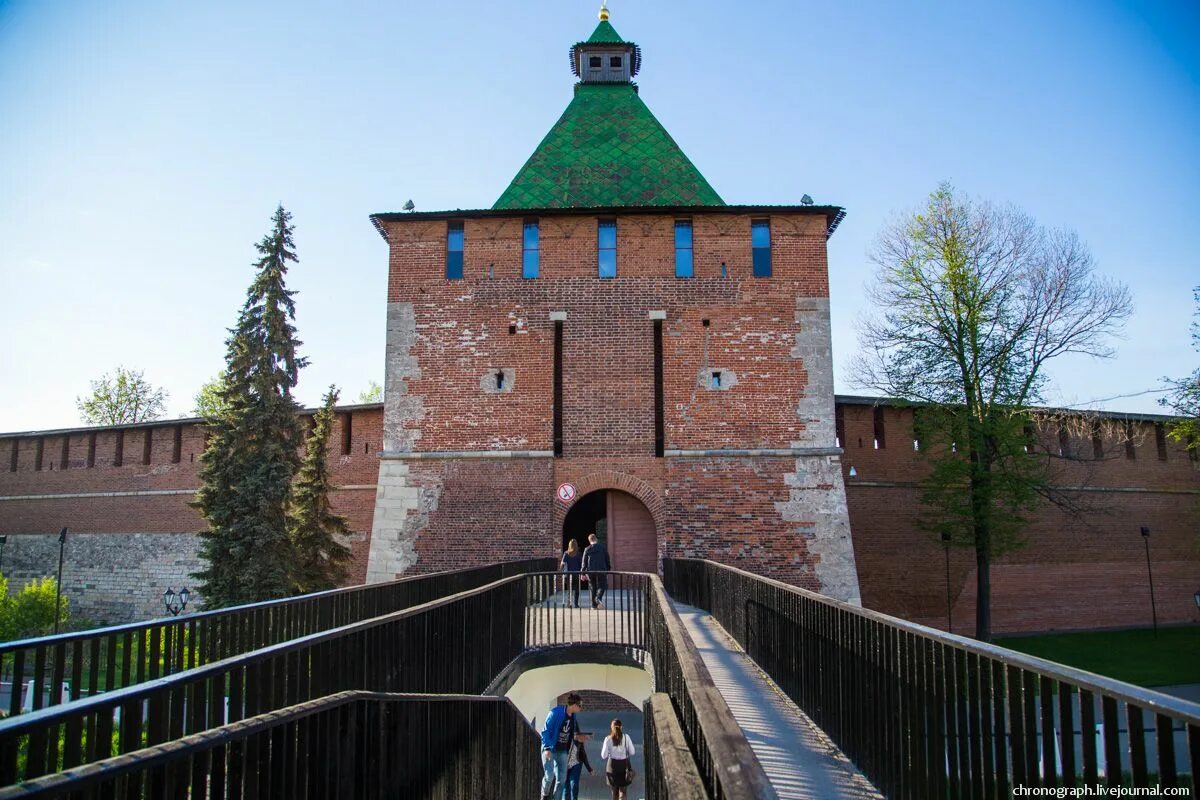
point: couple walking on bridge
(564, 754)
(587, 567)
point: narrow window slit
(558, 388)
(659, 416)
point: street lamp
(62, 546)
(946, 547)
(1150, 574)
(176, 601)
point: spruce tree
(320, 560)
(252, 454)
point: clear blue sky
(144, 145)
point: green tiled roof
(607, 150)
(605, 33)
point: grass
(1136, 656)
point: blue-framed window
(760, 243)
(529, 250)
(606, 248)
(454, 251)
(683, 249)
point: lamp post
(62, 546)
(946, 548)
(1150, 574)
(176, 602)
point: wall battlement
(133, 533)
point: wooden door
(632, 539)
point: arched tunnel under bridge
(536, 681)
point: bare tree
(123, 397)
(972, 301)
(1183, 396)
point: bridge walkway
(799, 759)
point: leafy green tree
(208, 403)
(246, 470)
(1184, 395)
(31, 611)
(372, 394)
(123, 397)
(320, 559)
(973, 301)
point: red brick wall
(1071, 573)
(463, 333)
(83, 496)
(722, 318)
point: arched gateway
(622, 522)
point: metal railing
(726, 763)
(55, 669)
(452, 645)
(456, 644)
(351, 744)
(927, 714)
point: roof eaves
(833, 214)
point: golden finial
(604, 10)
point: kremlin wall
(132, 533)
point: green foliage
(123, 397)
(246, 470)
(31, 611)
(1184, 395)
(320, 560)
(1013, 482)
(209, 403)
(973, 300)
(372, 394)
(1138, 656)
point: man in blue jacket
(557, 736)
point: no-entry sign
(566, 492)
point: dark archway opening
(588, 515)
(622, 522)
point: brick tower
(611, 328)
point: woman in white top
(617, 749)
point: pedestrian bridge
(750, 688)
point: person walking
(595, 564)
(560, 731)
(618, 749)
(572, 561)
(577, 759)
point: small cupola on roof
(607, 150)
(605, 57)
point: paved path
(800, 760)
(557, 621)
